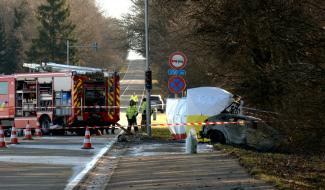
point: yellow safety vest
(144, 108)
(131, 111)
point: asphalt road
(48, 162)
(58, 162)
(132, 82)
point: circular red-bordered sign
(177, 60)
(176, 84)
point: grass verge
(160, 132)
(285, 171)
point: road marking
(54, 160)
(125, 90)
(76, 180)
(127, 70)
(133, 81)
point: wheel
(45, 125)
(59, 132)
(217, 137)
(7, 132)
(102, 131)
(80, 132)
(93, 131)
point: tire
(7, 132)
(45, 125)
(80, 132)
(217, 137)
(60, 132)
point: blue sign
(176, 84)
(176, 72)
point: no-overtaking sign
(177, 60)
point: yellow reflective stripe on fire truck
(111, 98)
(77, 95)
(117, 94)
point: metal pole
(147, 67)
(68, 44)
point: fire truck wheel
(45, 125)
(80, 132)
(7, 132)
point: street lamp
(94, 45)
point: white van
(157, 102)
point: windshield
(155, 98)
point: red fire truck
(60, 101)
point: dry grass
(285, 171)
(161, 132)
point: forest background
(270, 52)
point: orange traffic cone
(38, 132)
(28, 132)
(13, 136)
(87, 143)
(2, 138)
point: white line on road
(76, 180)
(61, 160)
(124, 91)
(127, 70)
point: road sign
(176, 72)
(177, 60)
(176, 84)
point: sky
(116, 8)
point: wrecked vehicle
(240, 129)
(213, 104)
(244, 130)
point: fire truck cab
(60, 101)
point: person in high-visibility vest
(143, 110)
(131, 114)
(135, 98)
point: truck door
(7, 97)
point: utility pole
(94, 45)
(147, 68)
(68, 47)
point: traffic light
(148, 80)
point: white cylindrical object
(191, 142)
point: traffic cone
(38, 132)
(28, 132)
(13, 136)
(2, 138)
(87, 143)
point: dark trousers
(143, 123)
(132, 122)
